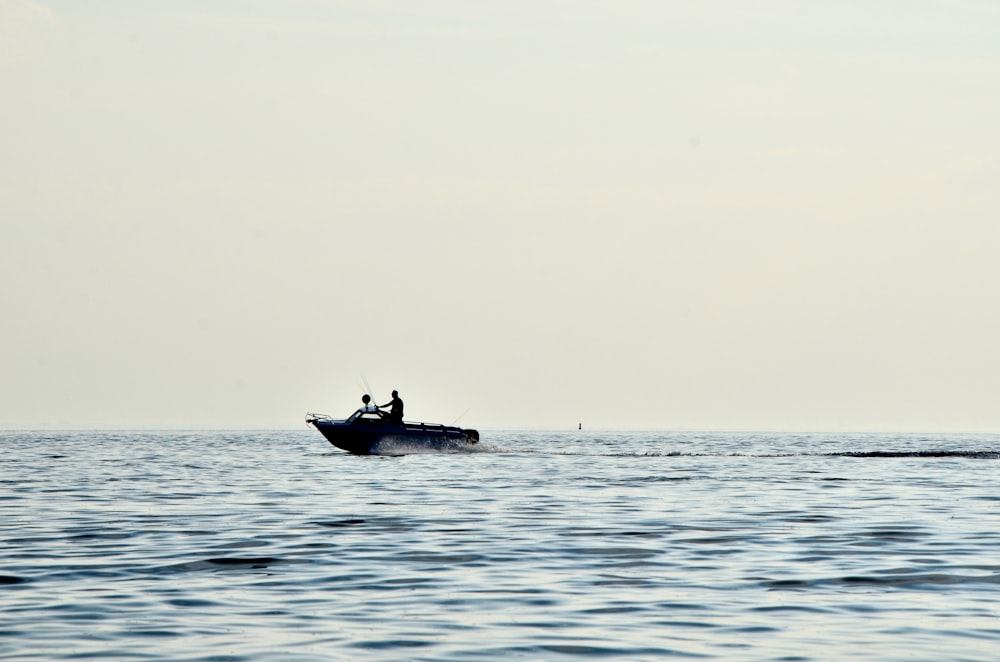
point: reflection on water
(539, 545)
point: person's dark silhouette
(395, 409)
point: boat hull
(363, 437)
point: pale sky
(779, 215)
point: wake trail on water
(972, 455)
(399, 447)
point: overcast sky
(757, 215)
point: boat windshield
(366, 417)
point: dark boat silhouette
(374, 434)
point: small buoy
(579, 426)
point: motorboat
(373, 433)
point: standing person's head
(395, 394)
(366, 398)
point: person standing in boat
(396, 409)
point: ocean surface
(263, 545)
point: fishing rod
(455, 422)
(368, 388)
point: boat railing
(313, 417)
(429, 426)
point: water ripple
(729, 546)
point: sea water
(537, 546)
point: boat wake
(959, 454)
(404, 446)
(973, 455)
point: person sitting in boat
(366, 408)
(396, 409)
